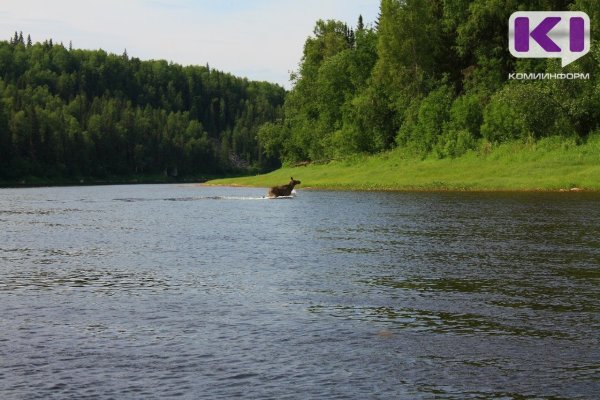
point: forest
(80, 113)
(430, 77)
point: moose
(283, 190)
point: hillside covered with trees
(80, 113)
(428, 77)
(431, 77)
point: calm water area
(187, 291)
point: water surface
(165, 291)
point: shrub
(463, 128)
(422, 129)
(455, 143)
(521, 111)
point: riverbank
(552, 164)
(33, 181)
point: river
(183, 291)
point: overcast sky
(258, 39)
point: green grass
(549, 164)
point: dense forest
(431, 76)
(80, 113)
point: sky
(257, 39)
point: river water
(182, 291)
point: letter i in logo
(577, 34)
(549, 34)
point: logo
(549, 34)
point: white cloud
(260, 39)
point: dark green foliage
(322, 107)
(67, 112)
(523, 111)
(433, 77)
(423, 129)
(462, 129)
(429, 75)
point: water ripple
(162, 291)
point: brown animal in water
(283, 190)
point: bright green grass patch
(549, 164)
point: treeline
(70, 113)
(430, 76)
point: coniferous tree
(89, 113)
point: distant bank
(552, 164)
(32, 181)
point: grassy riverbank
(550, 164)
